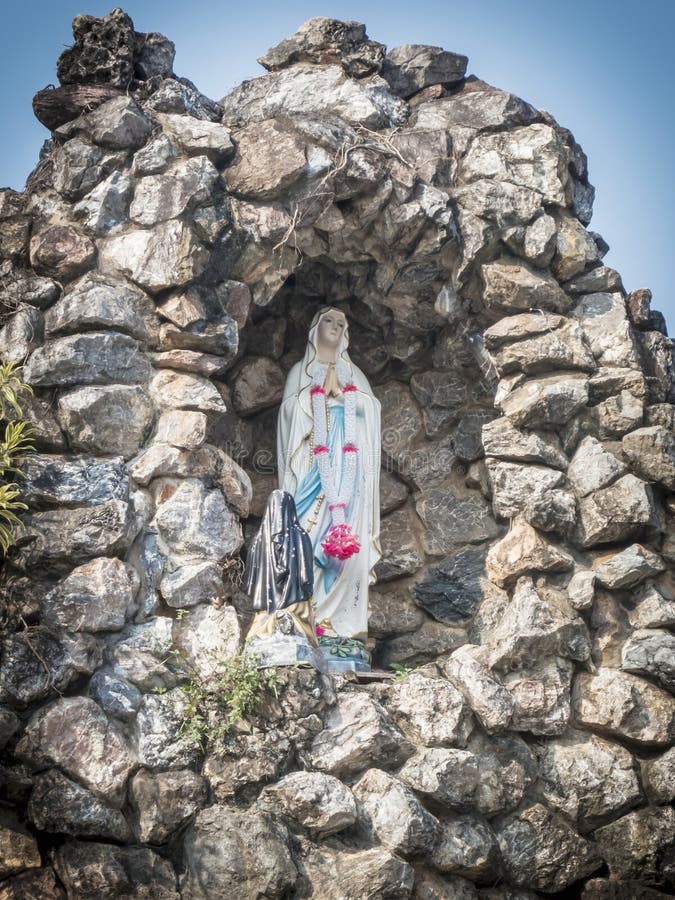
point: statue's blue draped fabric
(310, 487)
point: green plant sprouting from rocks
(14, 444)
(221, 692)
(401, 671)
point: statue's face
(331, 328)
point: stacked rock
(158, 275)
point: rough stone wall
(158, 277)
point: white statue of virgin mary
(328, 455)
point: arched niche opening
(427, 367)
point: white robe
(344, 603)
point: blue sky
(604, 68)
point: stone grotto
(157, 278)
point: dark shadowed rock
(452, 590)
(39, 662)
(61, 537)
(412, 67)
(467, 846)
(640, 845)
(115, 695)
(89, 869)
(18, 850)
(542, 852)
(230, 851)
(164, 801)
(326, 41)
(32, 883)
(65, 480)
(103, 52)
(58, 804)
(62, 252)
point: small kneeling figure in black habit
(279, 579)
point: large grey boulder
(507, 767)
(535, 625)
(160, 744)
(270, 158)
(197, 137)
(560, 346)
(196, 522)
(658, 777)
(431, 710)
(168, 255)
(522, 551)
(358, 734)
(144, 654)
(652, 653)
(588, 778)
(113, 418)
(620, 704)
(96, 302)
(502, 155)
(546, 401)
(651, 452)
(468, 669)
(640, 845)
(21, 335)
(627, 568)
(104, 209)
(316, 801)
(74, 734)
(115, 695)
(117, 124)
(542, 852)
(306, 91)
(160, 197)
(620, 512)
(593, 467)
(604, 318)
(467, 846)
(62, 537)
(502, 440)
(448, 776)
(93, 358)
(389, 812)
(348, 873)
(80, 165)
(541, 694)
(182, 97)
(94, 597)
